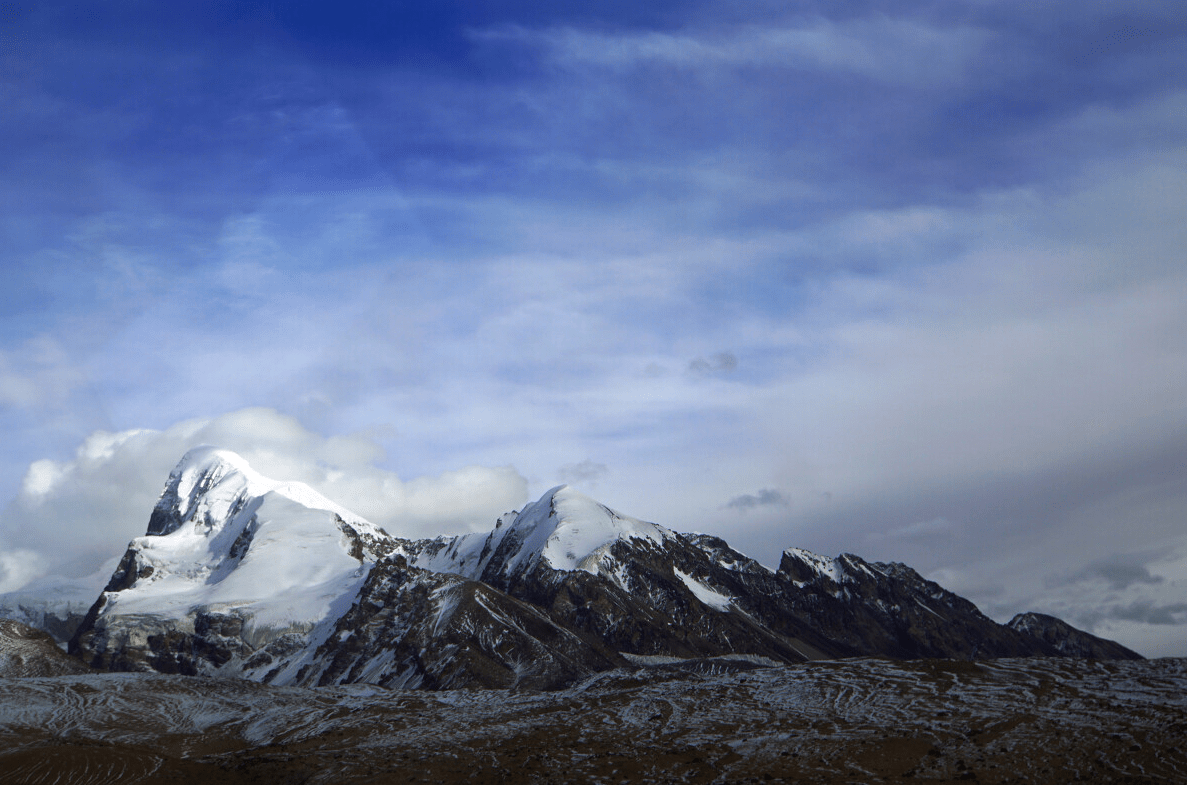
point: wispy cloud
(38, 374)
(1119, 571)
(905, 267)
(585, 472)
(879, 47)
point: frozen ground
(859, 721)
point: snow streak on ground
(860, 721)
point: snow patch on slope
(821, 565)
(708, 596)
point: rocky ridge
(1067, 640)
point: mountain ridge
(243, 576)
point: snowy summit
(564, 530)
(224, 540)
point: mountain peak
(564, 530)
(230, 549)
(208, 482)
(206, 457)
(802, 565)
(570, 530)
(197, 474)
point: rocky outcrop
(26, 651)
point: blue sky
(905, 280)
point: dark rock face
(127, 572)
(649, 609)
(413, 628)
(888, 609)
(61, 627)
(1067, 640)
(131, 644)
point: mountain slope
(1068, 640)
(641, 588)
(415, 628)
(26, 651)
(889, 609)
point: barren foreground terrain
(860, 721)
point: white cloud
(72, 516)
(41, 478)
(18, 567)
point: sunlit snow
(271, 551)
(704, 593)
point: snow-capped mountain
(639, 587)
(239, 575)
(564, 531)
(229, 554)
(651, 591)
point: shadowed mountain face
(246, 577)
(891, 610)
(415, 628)
(1067, 640)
